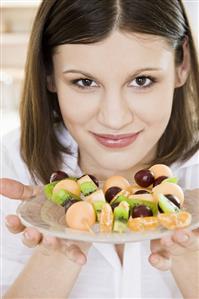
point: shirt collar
(70, 161)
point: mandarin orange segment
(140, 224)
(106, 219)
(175, 220)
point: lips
(116, 141)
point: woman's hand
(75, 251)
(180, 243)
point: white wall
(192, 7)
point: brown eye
(142, 82)
(84, 83)
(87, 82)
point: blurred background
(16, 22)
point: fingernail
(27, 236)
(81, 260)
(8, 223)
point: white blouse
(102, 276)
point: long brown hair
(83, 22)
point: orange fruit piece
(68, 185)
(161, 170)
(141, 224)
(81, 216)
(116, 181)
(174, 220)
(106, 219)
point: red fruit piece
(144, 178)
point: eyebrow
(78, 72)
(86, 74)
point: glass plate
(49, 219)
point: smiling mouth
(116, 141)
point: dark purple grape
(159, 180)
(173, 199)
(114, 205)
(58, 176)
(144, 178)
(69, 203)
(142, 192)
(141, 211)
(94, 179)
(111, 192)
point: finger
(74, 253)
(160, 262)
(171, 246)
(51, 243)
(16, 190)
(31, 237)
(196, 232)
(14, 224)
(186, 239)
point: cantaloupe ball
(168, 188)
(81, 216)
(161, 170)
(116, 181)
(68, 185)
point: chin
(116, 162)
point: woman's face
(116, 97)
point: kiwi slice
(87, 188)
(121, 216)
(48, 189)
(166, 205)
(119, 199)
(98, 208)
(87, 185)
(98, 200)
(62, 196)
(171, 180)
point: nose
(114, 111)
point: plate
(49, 219)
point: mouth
(116, 141)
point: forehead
(119, 49)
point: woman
(111, 87)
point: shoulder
(13, 165)
(188, 172)
(11, 138)
(191, 162)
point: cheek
(154, 108)
(76, 109)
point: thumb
(16, 190)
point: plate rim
(118, 238)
